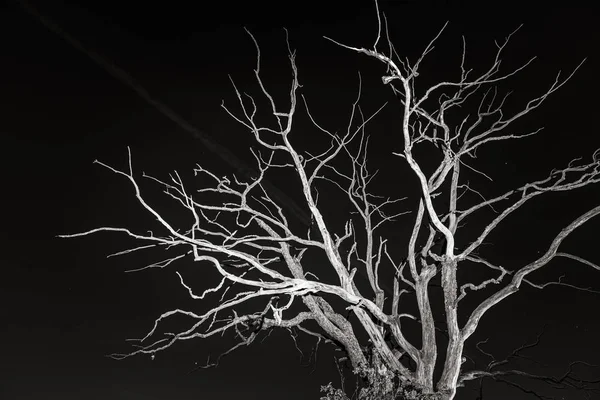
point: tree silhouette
(246, 229)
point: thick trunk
(449, 378)
(428, 352)
(447, 395)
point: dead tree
(239, 228)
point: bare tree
(241, 228)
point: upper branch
(569, 178)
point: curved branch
(519, 275)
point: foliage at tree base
(379, 385)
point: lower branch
(569, 380)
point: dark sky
(65, 306)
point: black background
(65, 306)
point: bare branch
(568, 380)
(520, 275)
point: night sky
(65, 306)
